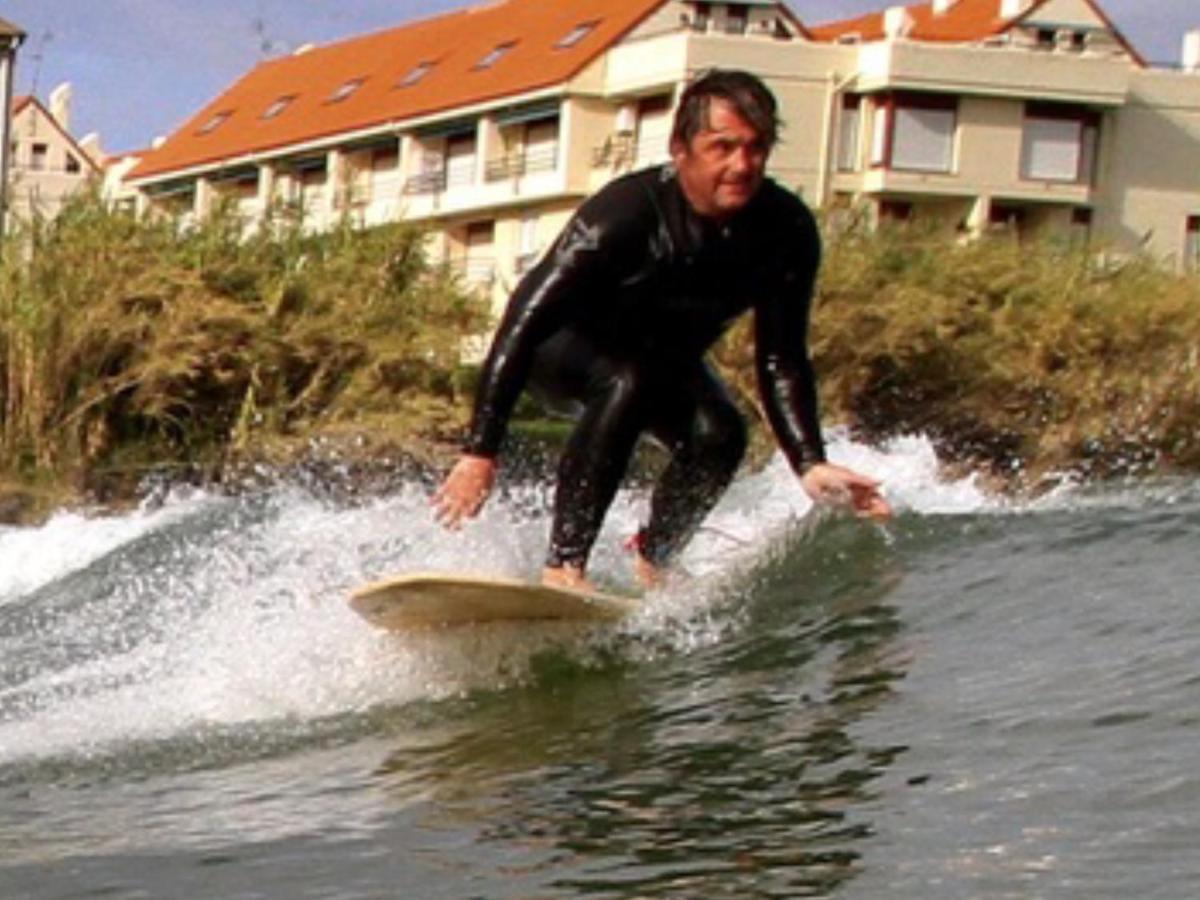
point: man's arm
(788, 384)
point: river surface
(977, 699)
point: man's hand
(829, 483)
(465, 490)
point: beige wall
(1151, 177)
(41, 183)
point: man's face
(722, 167)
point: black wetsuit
(616, 319)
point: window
(576, 34)
(214, 122)
(1059, 143)
(848, 131)
(1004, 215)
(735, 20)
(494, 55)
(416, 73)
(345, 90)
(915, 132)
(479, 263)
(39, 157)
(702, 15)
(895, 211)
(277, 106)
(541, 145)
(653, 130)
(527, 247)
(385, 159)
(1191, 247)
(73, 165)
(460, 160)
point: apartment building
(1034, 115)
(48, 164)
(490, 124)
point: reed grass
(1036, 360)
(127, 342)
(130, 343)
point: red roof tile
(454, 43)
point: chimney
(941, 7)
(90, 144)
(1191, 51)
(60, 105)
(897, 22)
(1010, 9)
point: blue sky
(141, 67)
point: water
(977, 699)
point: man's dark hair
(747, 94)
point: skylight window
(217, 120)
(277, 106)
(345, 90)
(576, 34)
(416, 73)
(494, 55)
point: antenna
(262, 31)
(37, 56)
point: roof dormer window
(214, 122)
(278, 105)
(345, 90)
(494, 55)
(416, 73)
(575, 35)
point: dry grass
(127, 343)
(1033, 359)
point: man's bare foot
(570, 577)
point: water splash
(216, 612)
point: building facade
(48, 164)
(491, 124)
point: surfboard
(440, 600)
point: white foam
(251, 624)
(70, 541)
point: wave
(212, 612)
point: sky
(141, 68)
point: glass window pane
(923, 139)
(1053, 149)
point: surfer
(615, 320)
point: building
(490, 124)
(48, 164)
(11, 38)
(1033, 115)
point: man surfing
(615, 321)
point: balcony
(998, 71)
(525, 162)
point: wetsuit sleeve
(787, 382)
(602, 241)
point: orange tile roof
(455, 42)
(965, 21)
(19, 103)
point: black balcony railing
(525, 162)
(426, 182)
